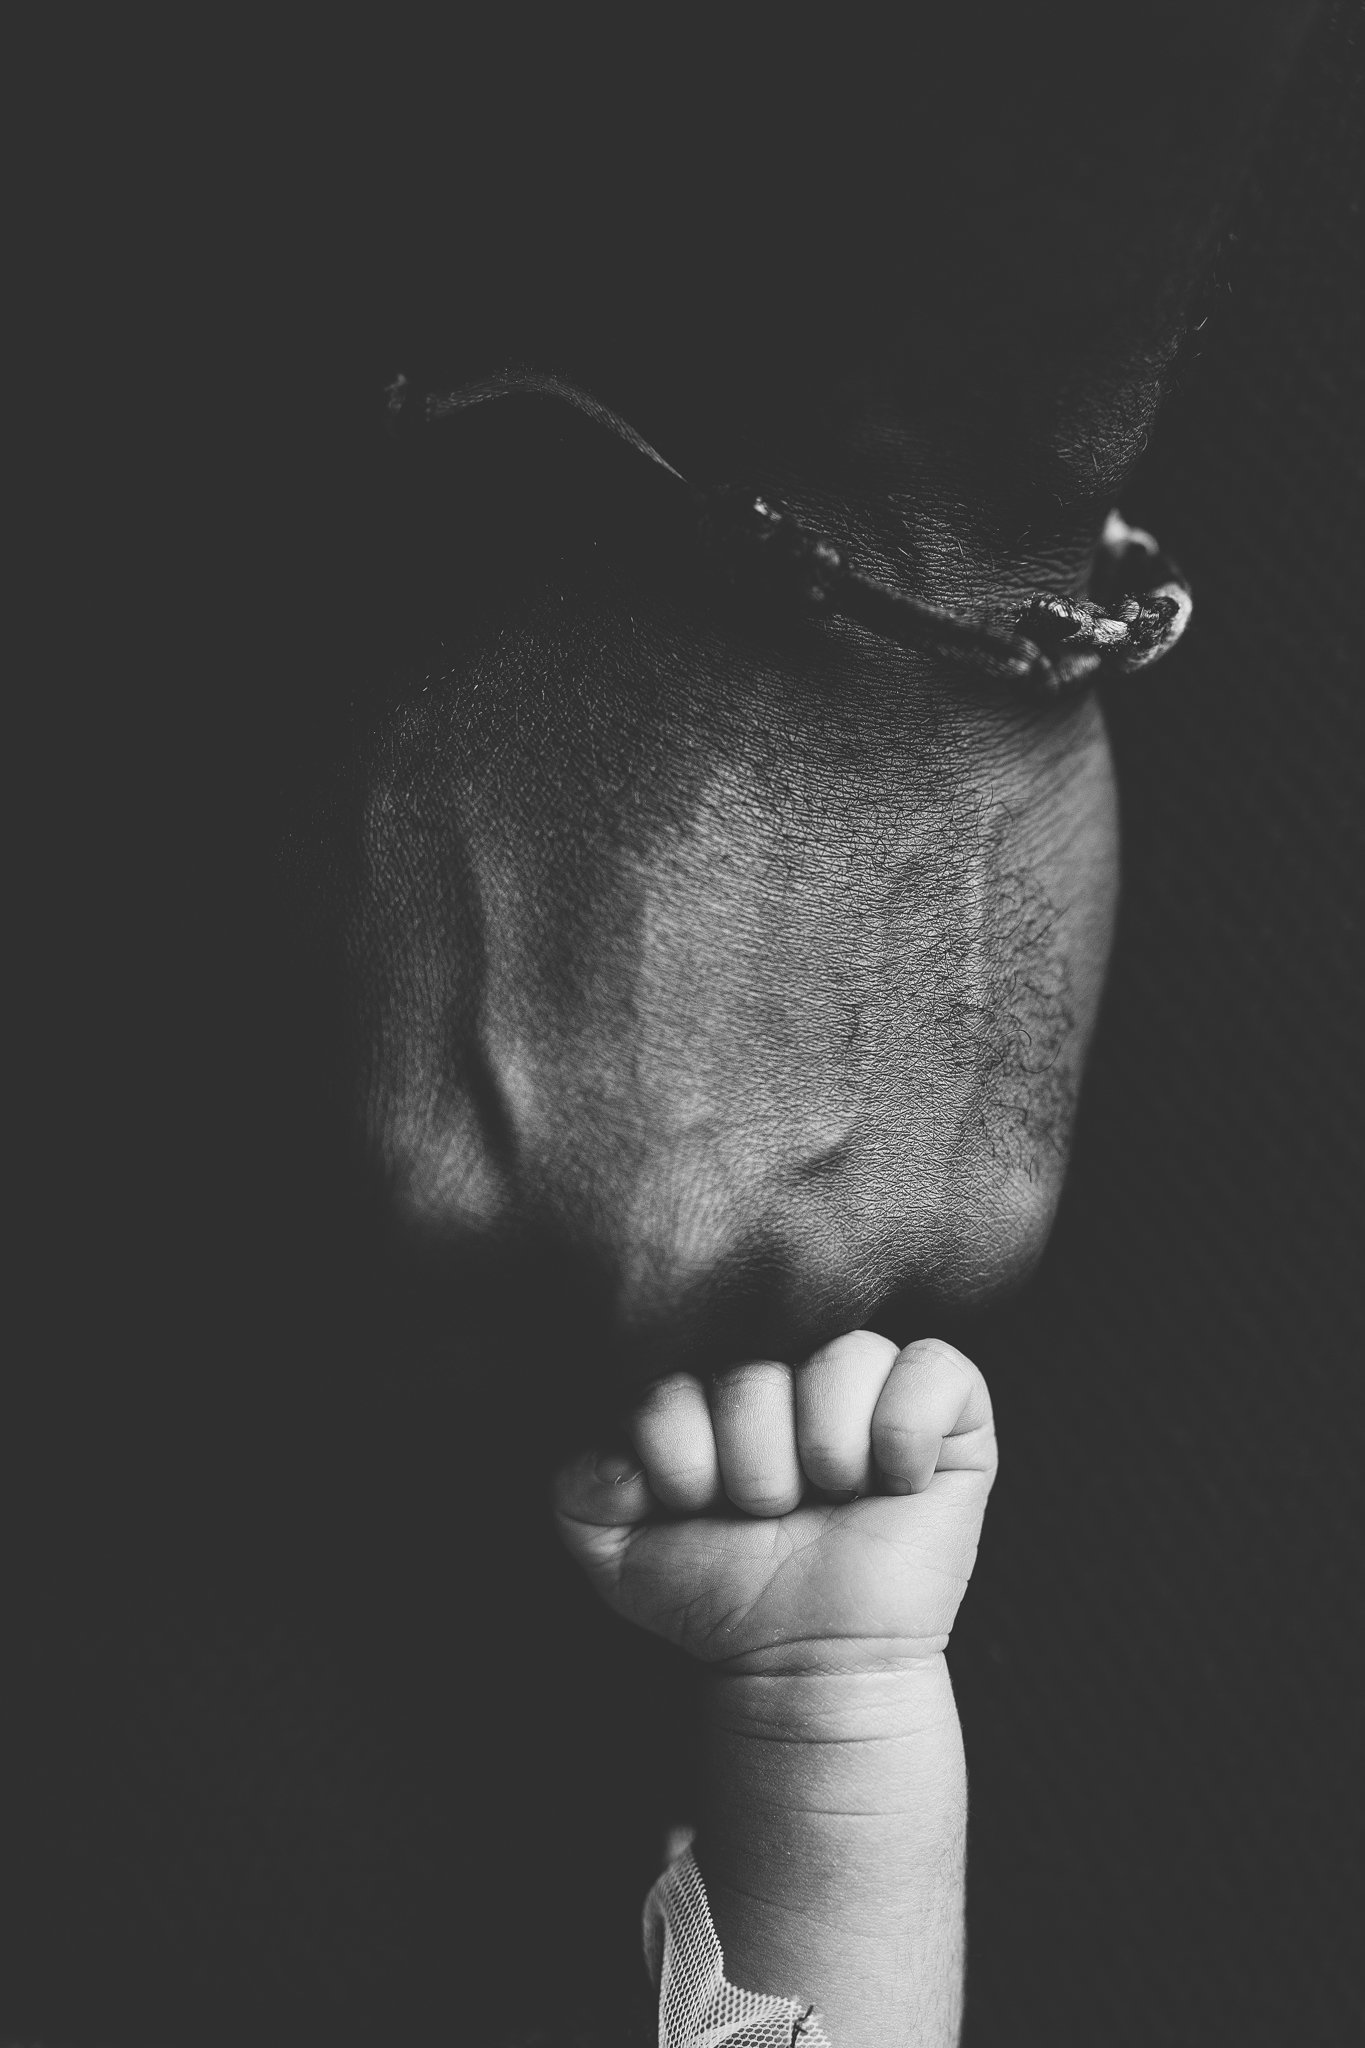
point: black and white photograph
(687, 1363)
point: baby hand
(790, 1520)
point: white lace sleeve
(697, 2008)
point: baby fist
(790, 1520)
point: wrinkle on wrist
(833, 1708)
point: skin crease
(790, 1020)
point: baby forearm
(809, 1532)
(833, 1847)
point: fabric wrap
(698, 2007)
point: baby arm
(809, 1534)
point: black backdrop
(1166, 1841)
(247, 1772)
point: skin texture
(764, 1574)
(752, 968)
(834, 1822)
(759, 976)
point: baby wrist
(908, 1703)
(864, 1772)
(832, 1830)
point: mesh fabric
(698, 2008)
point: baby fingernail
(614, 1470)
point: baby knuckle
(941, 1359)
(739, 1382)
(754, 1369)
(690, 1480)
(887, 1430)
(763, 1502)
(895, 1442)
(668, 1392)
(826, 1464)
(854, 1348)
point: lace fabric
(698, 2007)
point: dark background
(1166, 1841)
(273, 1765)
